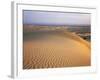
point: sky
(55, 18)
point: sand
(55, 49)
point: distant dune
(52, 49)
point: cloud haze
(55, 18)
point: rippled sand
(52, 49)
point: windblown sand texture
(54, 49)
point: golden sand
(55, 49)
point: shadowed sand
(49, 49)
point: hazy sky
(55, 18)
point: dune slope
(52, 49)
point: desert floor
(55, 49)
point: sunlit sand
(55, 49)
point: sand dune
(49, 49)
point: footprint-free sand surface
(54, 49)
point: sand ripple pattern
(54, 50)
